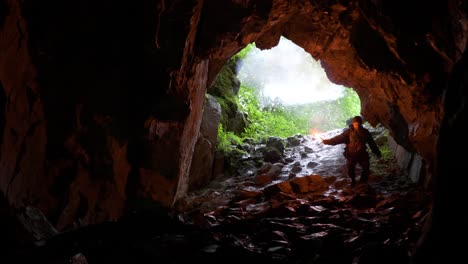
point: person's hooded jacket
(355, 141)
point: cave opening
(280, 91)
(270, 190)
(89, 138)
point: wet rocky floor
(312, 214)
(301, 209)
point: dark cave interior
(81, 183)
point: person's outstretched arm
(339, 139)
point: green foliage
(382, 143)
(243, 53)
(226, 140)
(228, 106)
(346, 107)
(328, 115)
(225, 80)
(224, 84)
(275, 121)
(284, 121)
(222, 89)
(268, 117)
(386, 152)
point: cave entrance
(283, 95)
(279, 92)
(286, 194)
(279, 194)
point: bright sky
(289, 73)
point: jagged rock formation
(86, 135)
(201, 168)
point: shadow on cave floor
(277, 213)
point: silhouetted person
(356, 137)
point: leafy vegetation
(273, 118)
(276, 121)
(226, 140)
(327, 115)
(222, 89)
(387, 153)
(243, 53)
(284, 121)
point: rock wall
(409, 162)
(201, 168)
(77, 109)
(99, 134)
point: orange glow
(315, 133)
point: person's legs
(365, 169)
(351, 165)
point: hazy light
(288, 73)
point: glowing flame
(315, 133)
